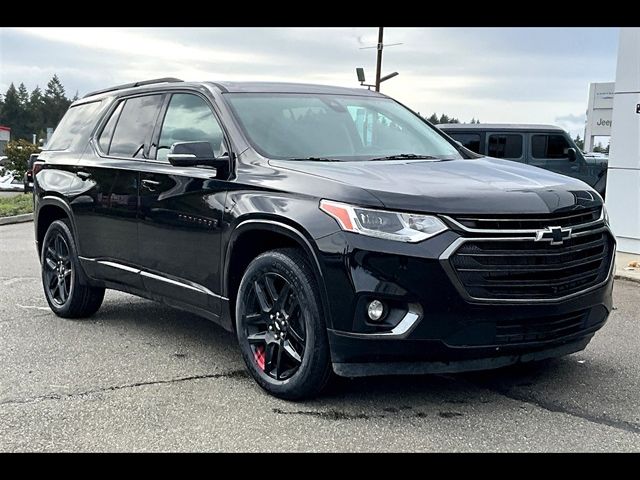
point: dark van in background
(544, 146)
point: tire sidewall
(309, 303)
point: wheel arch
(50, 209)
(279, 235)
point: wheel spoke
(291, 351)
(293, 308)
(268, 356)
(260, 337)
(63, 290)
(282, 298)
(296, 336)
(58, 246)
(262, 297)
(279, 362)
(254, 318)
(271, 289)
(67, 272)
(52, 280)
(50, 263)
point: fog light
(375, 310)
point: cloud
(526, 75)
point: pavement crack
(555, 408)
(232, 374)
(328, 414)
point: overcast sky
(527, 75)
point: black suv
(332, 229)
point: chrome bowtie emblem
(553, 235)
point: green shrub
(19, 152)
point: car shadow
(164, 326)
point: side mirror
(571, 153)
(191, 154)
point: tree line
(444, 118)
(32, 112)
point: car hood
(479, 185)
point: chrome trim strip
(451, 249)
(179, 283)
(401, 330)
(118, 266)
(530, 231)
(182, 283)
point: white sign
(603, 95)
(601, 122)
(599, 112)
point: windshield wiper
(318, 159)
(404, 156)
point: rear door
(508, 145)
(548, 150)
(181, 208)
(107, 179)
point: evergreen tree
(13, 113)
(55, 101)
(579, 142)
(444, 118)
(36, 111)
(433, 118)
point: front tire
(66, 289)
(280, 325)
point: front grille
(497, 268)
(539, 330)
(530, 222)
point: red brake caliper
(259, 356)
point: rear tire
(280, 325)
(66, 288)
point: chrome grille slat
(511, 265)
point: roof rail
(134, 84)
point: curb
(25, 217)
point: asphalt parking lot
(140, 376)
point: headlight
(404, 227)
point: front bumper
(448, 332)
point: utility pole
(379, 79)
(379, 61)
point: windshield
(335, 127)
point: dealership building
(5, 135)
(623, 175)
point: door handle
(150, 184)
(83, 175)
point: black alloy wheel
(280, 325)
(58, 270)
(275, 327)
(66, 287)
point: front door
(181, 209)
(549, 151)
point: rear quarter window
(74, 126)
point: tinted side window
(469, 140)
(133, 130)
(107, 133)
(189, 119)
(505, 146)
(73, 126)
(549, 146)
